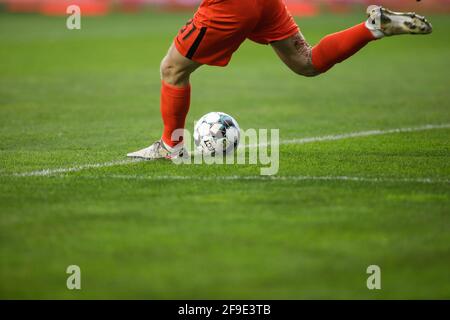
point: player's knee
(172, 73)
(307, 71)
(305, 68)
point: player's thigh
(217, 30)
(295, 52)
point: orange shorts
(220, 26)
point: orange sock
(175, 103)
(339, 46)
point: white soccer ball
(216, 133)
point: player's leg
(174, 105)
(175, 95)
(309, 61)
(215, 33)
(332, 49)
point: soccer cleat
(384, 22)
(158, 150)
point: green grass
(78, 97)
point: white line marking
(48, 172)
(274, 178)
(362, 134)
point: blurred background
(297, 7)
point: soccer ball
(216, 133)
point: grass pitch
(70, 98)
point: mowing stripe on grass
(274, 178)
(48, 172)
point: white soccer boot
(383, 22)
(159, 150)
